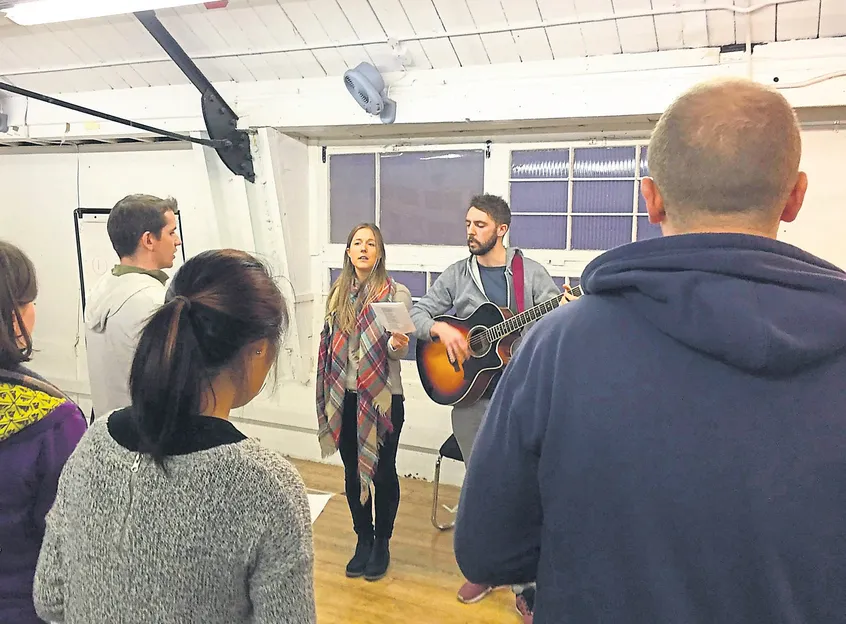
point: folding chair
(450, 450)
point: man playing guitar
(487, 275)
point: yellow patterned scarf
(22, 406)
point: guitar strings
(481, 338)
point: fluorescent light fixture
(51, 11)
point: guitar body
(448, 384)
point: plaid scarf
(374, 392)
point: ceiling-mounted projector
(365, 84)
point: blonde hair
(726, 147)
(339, 305)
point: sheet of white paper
(394, 317)
(316, 503)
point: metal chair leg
(435, 523)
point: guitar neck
(519, 321)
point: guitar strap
(519, 282)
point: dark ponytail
(219, 303)
(18, 287)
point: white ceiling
(279, 39)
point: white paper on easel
(394, 317)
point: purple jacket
(39, 428)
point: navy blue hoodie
(671, 447)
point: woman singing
(359, 395)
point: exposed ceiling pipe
(677, 10)
(811, 81)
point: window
(583, 198)
(421, 199)
(352, 196)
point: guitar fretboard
(518, 321)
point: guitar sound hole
(479, 342)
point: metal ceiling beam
(221, 120)
(218, 144)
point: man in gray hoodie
(487, 275)
(144, 233)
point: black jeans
(385, 481)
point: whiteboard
(94, 251)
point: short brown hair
(18, 287)
(725, 147)
(494, 206)
(135, 215)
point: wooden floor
(423, 578)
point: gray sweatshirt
(117, 309)
(460, 287)
(223, 538)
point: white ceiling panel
(637, 34)
(191, 29)
(136, 41)
(308, 29)
(533, 44)
(259, 67)
(720, 24)
(763, 25)
(800, 20)
(565, 41)
(832, 18)
(501, 47)
(339, 29)
(160, 73)
(394, 23)
(129, 75)
(425, 20)
(288, 39)
(669, 28)
(456, 17)
(282, 33)
(282, 64)
(600, 37)
(695, 27)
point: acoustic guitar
(491, 333)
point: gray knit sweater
(224, 537)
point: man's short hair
(494, 206)
(133, 216)
(726, 147)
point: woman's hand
(398, 341)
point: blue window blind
(580, 198)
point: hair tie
(185, 301)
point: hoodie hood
(111, 293)
(757, 304)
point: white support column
(318, 237)
(226, 195)
(278, 203)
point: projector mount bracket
(221, 120)
(232, 145)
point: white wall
(41, 191)
(821, 225)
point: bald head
(726, 150)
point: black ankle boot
(380, 558)
(358, 563)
